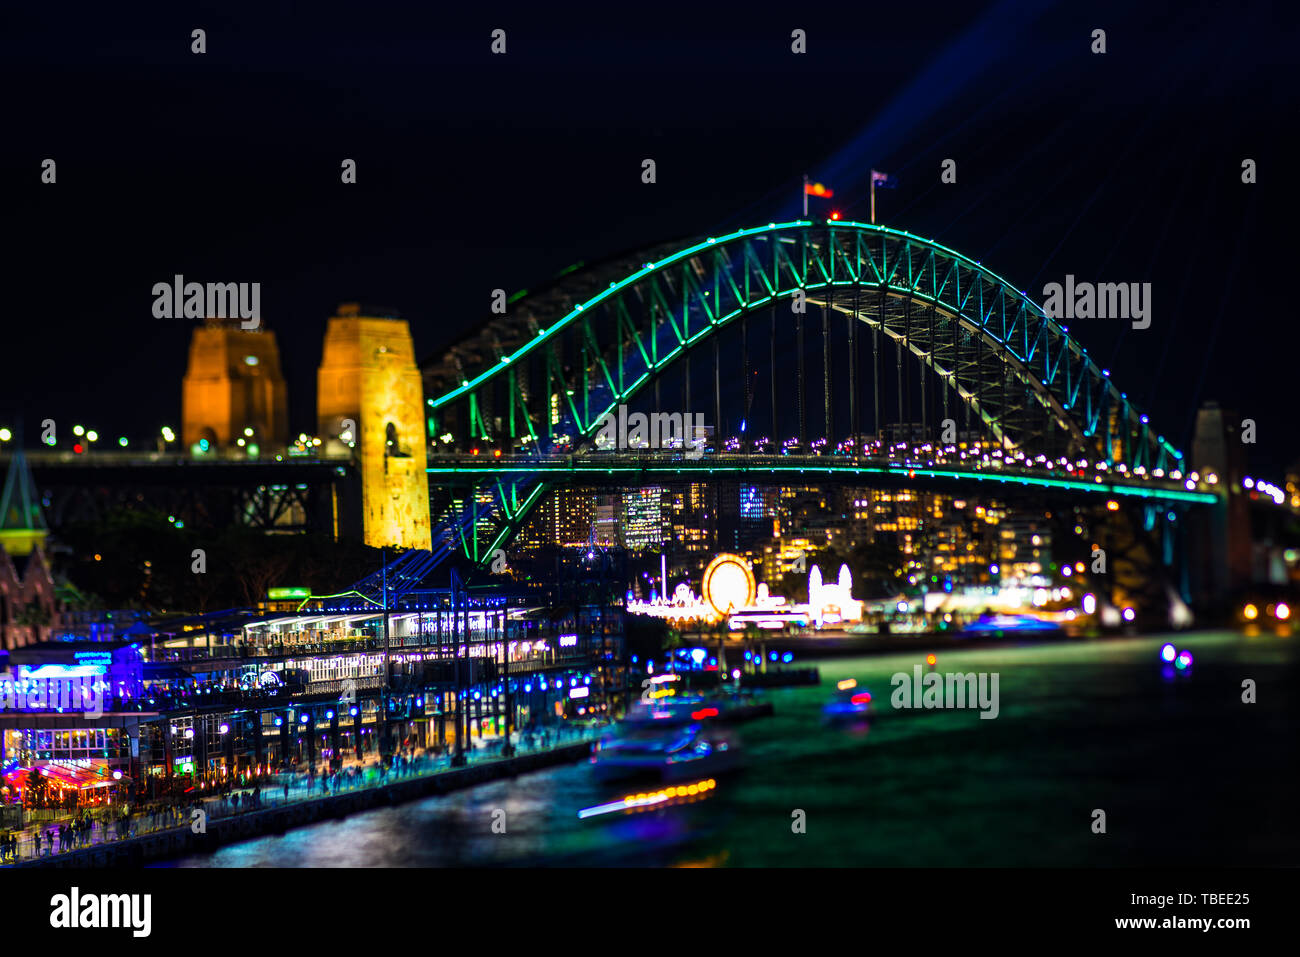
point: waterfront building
(196, 702)
(29, 607)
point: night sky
(477, 171)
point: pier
(276, 818)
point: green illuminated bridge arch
(538, 380)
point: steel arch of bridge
(542, 378)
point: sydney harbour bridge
(879, 356)
(815, 353)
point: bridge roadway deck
(166, 468)
(605, 468)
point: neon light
(614, 288)
(686, 466)
(41, 672)
(279, 594)
(605, 294)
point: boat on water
(726, 707)
(666, 751)
(849, 703)
(1000, 626)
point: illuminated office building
(562, 518)
(643, 522)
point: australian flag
(883, 180)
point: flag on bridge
(884, 181)
(814, 189)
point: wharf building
(204, 701)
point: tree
(33, 613)
(74, 599)
(37, 788)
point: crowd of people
(121, 821)
(58, 838)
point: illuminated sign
(568, 641)
(579, 692)
(60, 671)
(283, 594)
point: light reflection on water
(1080, 726)
(541, 827)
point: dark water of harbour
(1186, 772)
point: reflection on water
(1081, 726)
